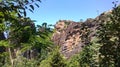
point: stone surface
(73, 36)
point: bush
(54, 60)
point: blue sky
(51, 11)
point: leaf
(26, 7)
(32, 7)
(30, 10)
(19, 15)
(39, 1)
(24, 13)
(2, 27)
(26, 47)
(37, 5)
(4, 43)
(26, 27)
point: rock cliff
(72, 36)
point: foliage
(4, 58)
(22, 62)
(30, 46)
(17, 6)
(22, 36)
(88, 57)
(55, 59)
(73, 61)
(109, 38)
(41, 45)
(42, 41)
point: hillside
(94, 42)
(73, 36)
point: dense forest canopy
(22, 44)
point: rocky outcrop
(72, 36)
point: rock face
(72, 36)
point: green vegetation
(109, 37)
(28, 46)
(55, 59)
(25, 45)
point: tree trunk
(10, 56)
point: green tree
(73, 61)
(42, 41)
(88, 57)
(13, 18)
(17, 6)
(109, 38)
(54, 60)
